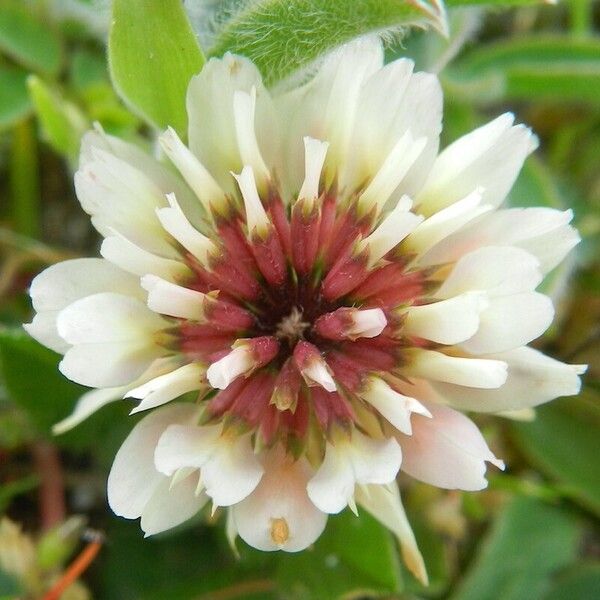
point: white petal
(447, 451)
(133, 477)
(472, 372)
(421, 112)
(94, 400)
(396, 165)
(121, 198)
(367, 323)
(533, 379)
(526, 415)
(197, 176)
(163, 389)
(256, 216)
(395, 407)
(314, 157)
(359, 460)
(391, 231)
(222, 372)
(212, 132)
(392, 101)
(326, 108)
(244, 107)
(448, 321)
(384, 503)
(332, 487)
(182, 446)
(380, 101)
(278, 515)
(489, 157)
(374, 461)
(317, 372)
(87, 405)
(162, 176)
(338, 86)
(550, 248)
(233, 472)
(543, 232)
(510, 322)
(108, 364)
(231, 531)
(61, 284)
(107, 317)
(170, 506)
(43, 329)
(133, 259)
(229, 467)
(174, 300)
(112, 337)
(494, 269)
(445, 222)
(177, 224)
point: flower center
(295, 321)
(292, 327)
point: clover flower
(328, 290)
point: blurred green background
(532, 535)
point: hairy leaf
(281, 36)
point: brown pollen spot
(280, 531)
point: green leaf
(24, 179)
(61, 121)
(87, 69)
(55, 545)
(431, 53)
(582, 583)
(352, 555)
(433, 548)
(281, 36)
(15, 104)
(11, 489)
(28, 39)
(563, 443)
(153, 53)
(15, 429)
(549, 68)
(103, 105)
(33, 381)
(212, 573)
(10, 587)
(527, 544)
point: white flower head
(311, 268)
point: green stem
(24, 179)
(580, 18)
